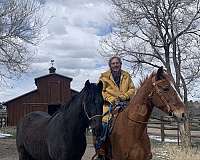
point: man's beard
(116, 76)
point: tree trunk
(185, 135)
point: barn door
(54, 94)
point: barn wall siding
(51, 90)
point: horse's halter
(159, 93)
(87, 115)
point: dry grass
(169, 151)
(174, 152)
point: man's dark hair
(118, 58)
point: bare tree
(150, 33)
(20, 26)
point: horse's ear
(159, 74)
(87, 84)
(100, 85)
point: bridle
(87, 115)
(159, 93)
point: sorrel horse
(61, 136)
(129, 139)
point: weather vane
(52, 62)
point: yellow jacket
(111, 92)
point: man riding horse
(117, 87)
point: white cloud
(92, 75)
(71, 39)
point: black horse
(61, 136)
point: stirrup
(100, 158)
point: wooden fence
(3, 119)
(166, 126)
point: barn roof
(33, 91)
(50, 74)
(74, 92)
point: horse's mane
(146, 80)
(66, 106)
(143, 81)
(92, 91)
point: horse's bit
(87, 115)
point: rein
(156, 90)
(147, 122)
(141, 122)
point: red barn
(53, 90)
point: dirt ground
(8, 150)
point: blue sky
(71, 38)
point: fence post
(1, 122)
(178, 138)
(6, 120)
(162, 129)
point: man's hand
(114, 101)
(122, 97)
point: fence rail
(166, 124)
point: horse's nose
(181, 117)
(171, 114)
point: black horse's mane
(85, 90)
(65, 107)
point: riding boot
(100, 154)
(100, 158)
(100, 151)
